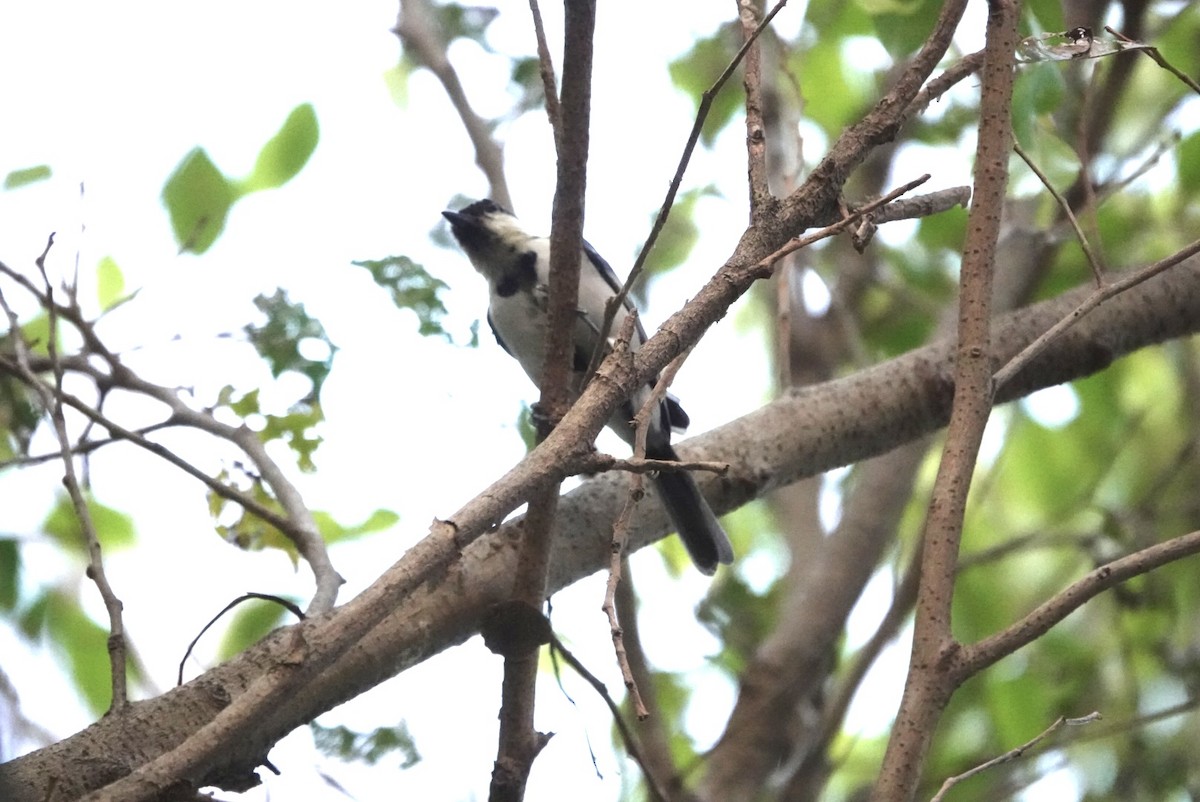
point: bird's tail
(695, 521)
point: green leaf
(26, 176)
(110, 283)
(249, 532)
(32, 621)
(281, 341)
(1188, 160)
(114, 529)
(246, 405)
(10, 573)
(526, 427)
(1037, 91)
(294, 429)
(370, 748)
(85, 646)
(830, 99)
(396, 80)
(37, 335)
(411, 288)
(286, 153)
(468, 22)
(526, 81)
(332, 531)
(901, 25)
(680, 233)
(252, 621)
(20, 414)
(198, 197)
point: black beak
(467, 229)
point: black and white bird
(516, 265)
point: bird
(516, 265)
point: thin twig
(1013, 754)
(963, 68)
(978, 656)
(627, 737)
(136, 437)
(282, 602)
(1115, 726)
(598, 463)
(796, 243)
(706, 100)
(52, 400)
(1097, 297)
(417, 32)
(78, 449)
(1092, 259)
(641, 422)
(657, 757)
(546, 69)
(1158, 59)
(297, 524)
(620, 534)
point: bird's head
(489, 233)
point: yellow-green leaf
(198, 197)
(110, 283)
(286, 153)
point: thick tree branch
(930, 681)
(520, 743)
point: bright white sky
(112, 95)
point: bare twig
(620, 532)
(52, 400)
(627, 736)
(1013, 754)
(546, 68)
(1114, 726)
(297, 524)
(1158, 59)
(424, 43)
(706, 100)
(657, 758)
(1098, 296)
(137, 437)
(960, 70)
(978, 656)
(1092, 259)
(641, 422)
(78, 449)
(597, 463)
(282, 602)
(796, 243)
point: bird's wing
(496, 334)
(610, 278)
